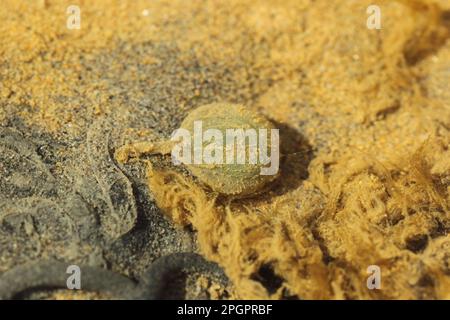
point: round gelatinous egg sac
(215, 153)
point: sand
(365, 113)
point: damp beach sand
(364, 117)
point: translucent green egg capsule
(232, 150)
(232, 147)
